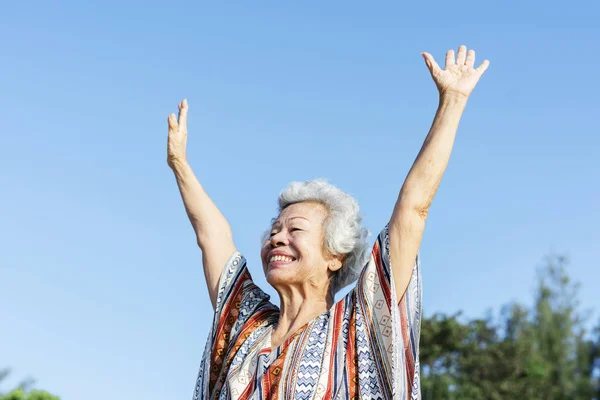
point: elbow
(409, 210)
(206, 238)
(409, 217)
(409, 204)
(420, 206)
(422, 212)
(418, 211)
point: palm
(459, 75)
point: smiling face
(294, 254)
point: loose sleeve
(387, 331)
(241, 307)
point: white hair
(344, 234)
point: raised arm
(213, 232)
(455, 83)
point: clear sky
(101, 285)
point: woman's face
(294, 253)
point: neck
(297, 309)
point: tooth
(281, 258)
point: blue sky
(101, 282)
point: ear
(335, 263)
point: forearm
(424, 177)
(455, 83)
(206, 219)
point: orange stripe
(409, 363)
(337, 326)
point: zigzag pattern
(368, 374)
(251, 299)
(311, 360)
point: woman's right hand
(177, 140)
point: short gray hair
(344, 234)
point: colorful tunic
(365, 347)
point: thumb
(430, 62)
(173, 125)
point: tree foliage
(539, 353)
(22, 391)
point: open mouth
(280, 260)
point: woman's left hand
(459, 76)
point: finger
(183, 110)
(462, 55)
(172, 123)
(484, 66)
(450, 58)
(470, 62)
(430, 62)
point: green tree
(542, 353)
(20, 394)
(23, 392)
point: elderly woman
(365, 345)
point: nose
(279, 239)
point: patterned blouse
(365, 347)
